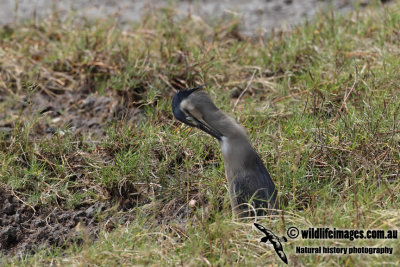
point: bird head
(187, 108)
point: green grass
(322, 109)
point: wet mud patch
(24, 229)
(74, 111)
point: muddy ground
(80, 112)
(24, 228)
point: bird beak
(202, 125)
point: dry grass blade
(245, 90)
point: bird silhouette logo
(275, 241)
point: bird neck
(226, 125)
(236, 149)
(239, 157)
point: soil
(78, 111)
(24, 228)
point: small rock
(192, 203)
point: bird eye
(190, 119)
